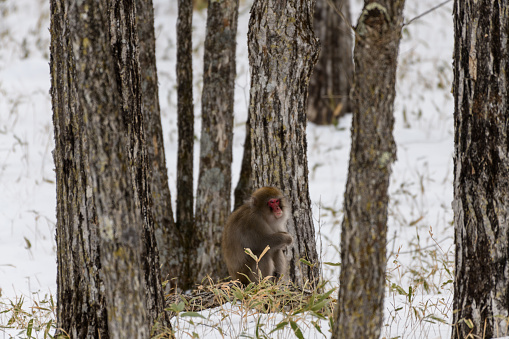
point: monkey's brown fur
(255, 225)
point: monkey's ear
(252, 201)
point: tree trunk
(481, 169)
(364, 229)
(244, 186)
(214, 183)
(168, 238)
(108, 269)
(185, 201)
(332, 77)
(282, 52)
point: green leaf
(326, 294)
(296, 329)
(469, 323)
(238, 294)
(426, 286)
(192, 314)
(304, 261)
(177, 308)
(412, 223)
(258, 326)
(399, 289)
(319, 305)
(251, 254)
(48, 328)
(29, 328)
(300, 310)
(446, 269)
(434, 317)
(338, 264)
(319, 315)
(318, 328)
(279, 326)
(27, 243)
(450, 281)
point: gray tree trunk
(169, 243)
(282, 52)
(244, 186)
(481, 169)
(330, 85)
(213, 200)
(108, 274)
(185, 218)
(359, 312)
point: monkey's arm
(279, 240)
(276, 241)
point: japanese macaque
(259, 223)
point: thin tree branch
(427, 12)
(338, 11)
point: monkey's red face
(274, 205)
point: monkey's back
(236, 233)
(230, 244)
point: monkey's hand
(283, 239)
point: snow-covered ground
(420, 238)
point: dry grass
(32, 318)
(261, 310)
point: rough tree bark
(330, 85)
(244, 186)
(169, 242)
(282, 52)
(213, 200)
(481, 169)
(108, 269)
(185, 221)
(359, 311)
